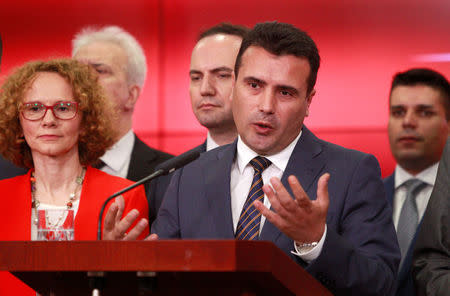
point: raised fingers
(134, 233)
(125, 223)
(301, 198)
(120, 202)
(322, 190)
(152, 237)
(109, 221)
(274, 200)
(271, 216)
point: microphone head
(177, 162)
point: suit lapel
(16, 219)
(140, 162)
(91, 201)
(306, 162)
(405, 269)
(217, 180)
(389, 187)
(202, 147)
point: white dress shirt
(427, 176)
(241, 179)
(210, 143)
(117, 158)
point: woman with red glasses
(55, 121)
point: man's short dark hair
(282, 39)
(225, 28)
(427, 77)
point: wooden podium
(182, 267)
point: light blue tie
(409, 217)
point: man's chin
(409, 155)
(212, 122)
(260, 145)
(207, 122)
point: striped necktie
(248, 224)
(409, 217)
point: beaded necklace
(72, 197)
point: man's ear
(309, 100)
(133, 94)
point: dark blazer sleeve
(167, 225)
(158, 187)
(431, 263)
(155, 194)
(361, 241)
(143, 160)
(9, 170)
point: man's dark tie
(409, 217)
(248, 224)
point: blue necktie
(248, 224)
(409, 217)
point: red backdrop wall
(362, 44)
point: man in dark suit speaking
(329, 211)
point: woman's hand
(116, 228)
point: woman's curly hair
(96, 130)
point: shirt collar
(280, 159)
(210, 143)
(118, 155)
(427, 176)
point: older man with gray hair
(121, 64)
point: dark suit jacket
(405, 284)
(144, 160)
(9, 170)
(360, 254)
(158, 187)
(431, 261)
(201, 148)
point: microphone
(162, 169)
(146, 280)
(177, 162)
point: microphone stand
(97, 278)
(156, 174)
(146, 279)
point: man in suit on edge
(329, 211)
(419, 114)
(211, 76)
(121, 64)
(432, 251)
(7, 169)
